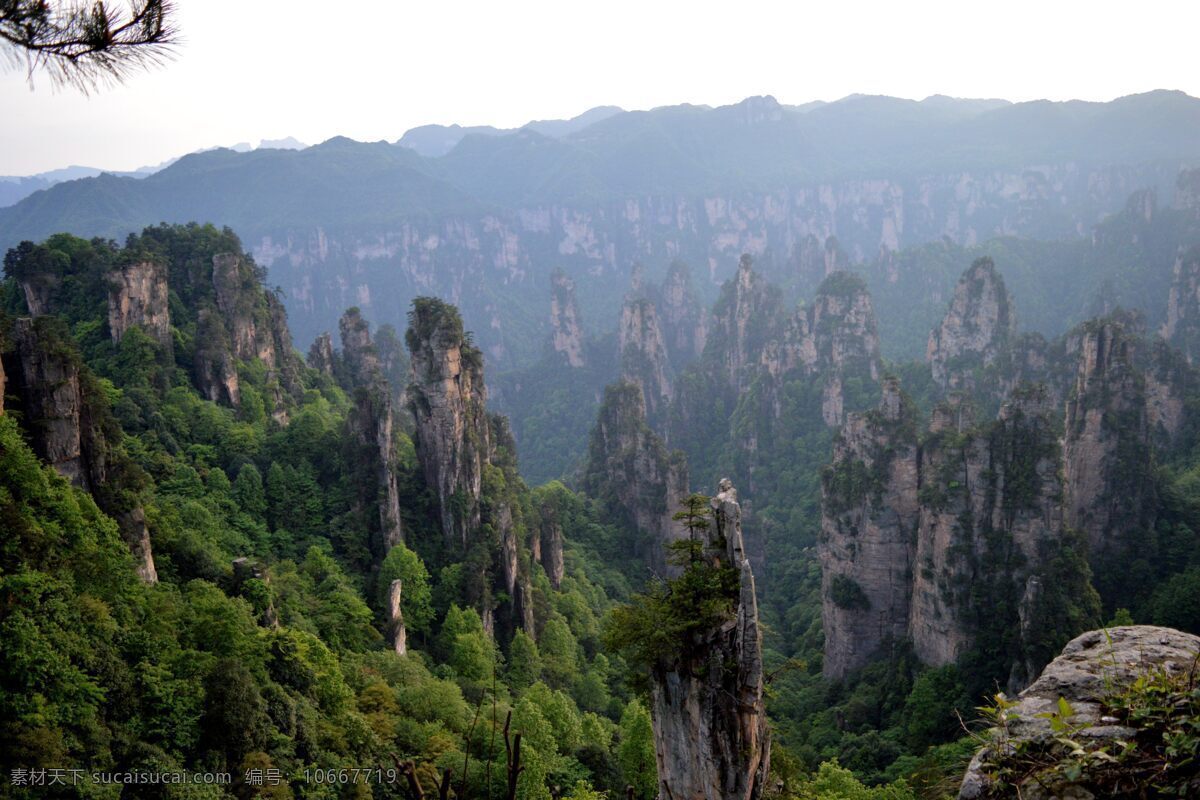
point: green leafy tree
(635, 751)
(416, 596)
(524, 661)
(234, 721)
(695, 517)
(560, 654)
(833, 782)
(248, 492)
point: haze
(270, 69)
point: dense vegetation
(279, 662)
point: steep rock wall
(447, 398)
(630, 470)
(565, 330)
(711, 736)
(137, 295)
(976, 329)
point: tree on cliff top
(661, 624)
(85, 46)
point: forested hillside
(200, 561)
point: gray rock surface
(1091, 666)
(711, 735)
(137, 295)
(566, 332)
(976, 330)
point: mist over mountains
(375, 224)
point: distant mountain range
(14, 188)
(433, 141)
(481, 216)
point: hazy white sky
(254, 69)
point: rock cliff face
(644, 355)
(1109, 487)
(372, 426)
(546, 545)
(946, 542)
(629, 469)
(565, 330)
(245, 323)
(396, 618)
(320, 354)
(215, 369)
(683, 319)
(456, 441)
(845, 339)
(833, 340)
(256, 328)
(990, 525)
(869, 497)
(1091, 668)
(1182, 327)
(710, 726)
(137, 295)
(742, 321)
(976, 330)
(326, 268)
(52, 400)
(447, 398)
(70, 430)
(40, 289)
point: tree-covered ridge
(266, 641)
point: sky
(248, 70)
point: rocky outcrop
(1110, 494)
(630, 470)
(644, 354)
(742, 321)
(845, 338)
(320, 354)
(566, 332)
(1182, 327)
(1092, 668)
(71, 430)
(40, 288)
(137, 295)
(456, 441)
(52, 399)
(683, 319)
(949, 542)
(137, 535)
(371, 424)
(215, 370)
(976, 330)
(834, 340)
(869, 502)
(990, 526)
(358, 351)
(547, 545)
(236, 290)
(255, 324)
(448, 398)
(711, 737)
(513, 579)
(399, 634)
